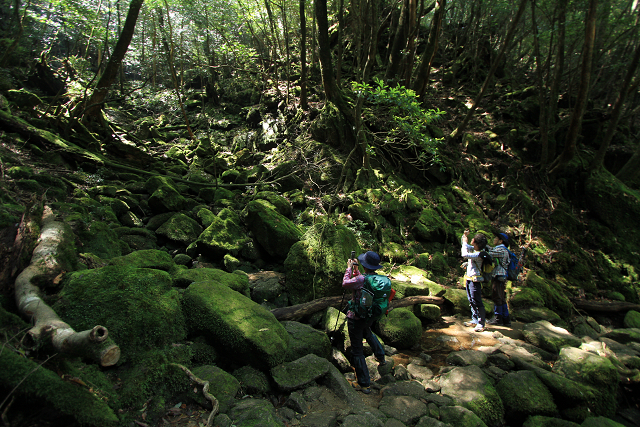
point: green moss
(46, 386)
(150, 258)
(489, 408)
(237, 282)
(550, 292)
(401, 328)
(138, 306)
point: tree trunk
(46, 263)
(583, 92)
(542, 90)
(606, 306)
(170, 60)
(460, 129)
(598, 160)
(97, 99)
(555, 85)
(399, 43)
(301, 310)
(326, 65)
(304, 104)
(630, 169)
(422, 78)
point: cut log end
(110, 356)
(98, 334)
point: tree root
(205, 391)
(46, 262)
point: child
(473, 278)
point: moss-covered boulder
(273, 231)
(524, 395)
(139, 306)
(458, 299)
(543, 421)
(549, 337)
(149, 258)
(222, 385)
(593, 370)
(632, 319)
(431, 226)
(526, 298)
(180, 229)
(551, 293)
(428, 312)
(306, 340)
(401, 328)
(238, 281)
(252, 380)
(468, 386)
(101, 240)
(88, 406)
(23, 98)
(233, 322)
(315, 265)
(224, 235)
(535, 314)
(164, 195)
(281, 205)
(456, 416)
(298, 373)
(254, 412)
(410, 281)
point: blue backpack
(515, 265)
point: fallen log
(301, 310)
(605, 306)
(46, 263)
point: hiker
(499, 279)
(473, 278)
(360, 328)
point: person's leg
(474, 311)
(356, 328)
(372, 340)
(506, 320)
(496, 291)
(476, 301)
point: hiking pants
(359, 329)
(498, 294)
(474, 294)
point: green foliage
(410, 120)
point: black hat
(370, 260)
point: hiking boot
(365, 390)
(506, 320)
(478, 328)
(381, 362)
(496, 320)
(470, 324)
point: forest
(182, 183)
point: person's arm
(355, 282)
(467, 250)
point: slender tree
(460, 129)
(421, 81)
(583, 92)
(110, 74)
(303, 56)
(399, 43)
(542, 90)
(598, 160)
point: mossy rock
(400, 329)
(101, 240)
(222, 385)
(428, 312)
(181, 229)
(236, 324)
(524, 395)
(526, 298)
(550, 292)
(410, 281)
(206, 217)
(543, 421)
(164, 195)
(534, 314)
(139, 306)
(282, 205)
(237, 281)
(549, 337)
(151, 258)
(306, 340)
(632, 319)
(430, 226)
(315, 265)
(273, 231)
(252, 380)
(49, 388)
(224, 235)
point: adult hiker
(473, 279)
(500, 252)
(360, 326)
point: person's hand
(465, 236)
(352, 262)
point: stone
(252, 380)
(543, 421)
(306, 340)
(273, 231)
(233, 322)
(406, 409)
(298, 373)
(428, 312)
(401, 328)
(181, 229)
(549, 337)
(250, 412)
(419, 372)
(466, 357)
(222, 385)
(460, 416)
(632, 319)
(524, 395)
(237, 281)
(405, 388)
(225, 235)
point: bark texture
(46, 263)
